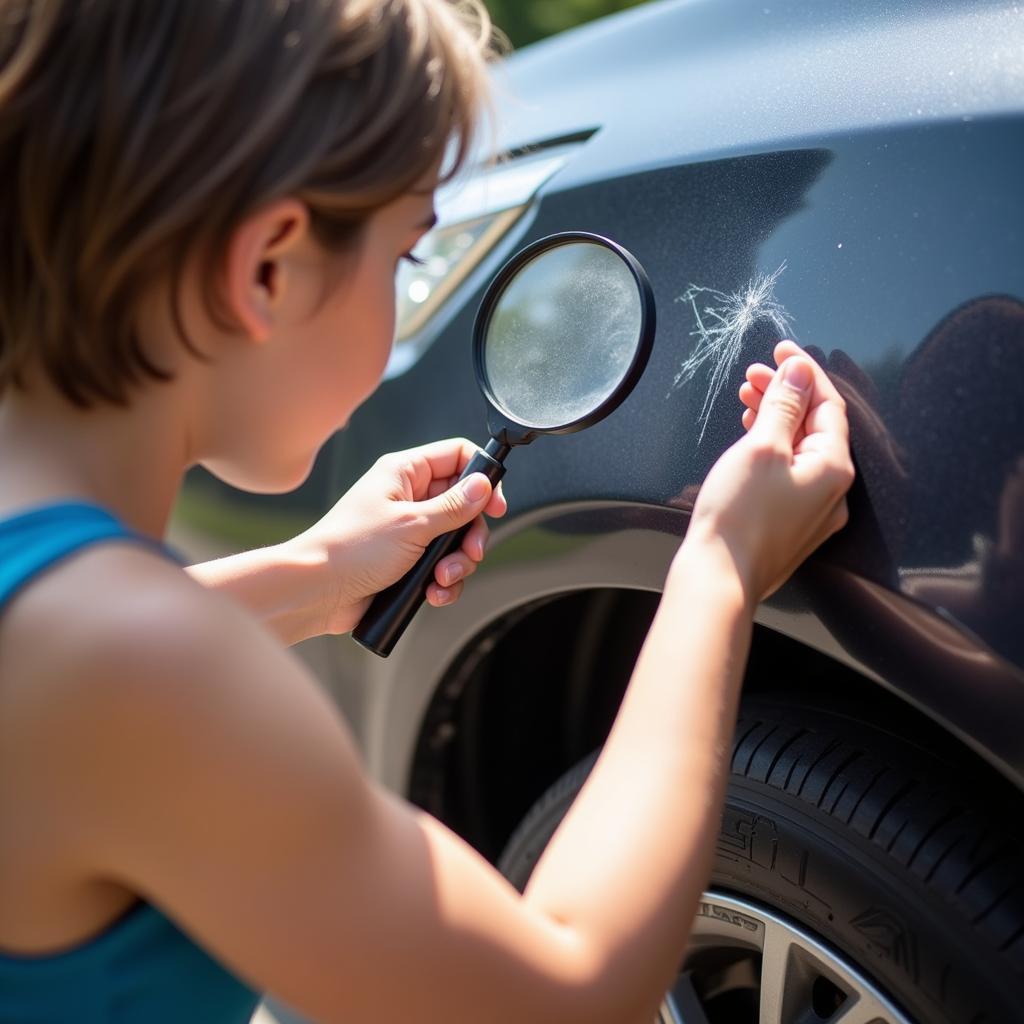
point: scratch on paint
(722, 319)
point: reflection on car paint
(911, 481)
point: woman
(205, 205)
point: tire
(904, 867)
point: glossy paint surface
(897, 215)
(873, 163)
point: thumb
(457, 506)
(785, 402)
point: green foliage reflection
(526, 21)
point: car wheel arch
(515, 709)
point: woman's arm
(642, 825)
(196, 763)
(323, 580)
(247, 817)
(281, 586)
(641, 828)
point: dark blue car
(850, 174)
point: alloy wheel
(748, 965)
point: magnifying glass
(561, 338)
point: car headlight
(472, 216)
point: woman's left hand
(378, 530)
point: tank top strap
(34, 540)
(142, 968)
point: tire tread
(922, 823)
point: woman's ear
(256, 264)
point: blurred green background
(526, 21)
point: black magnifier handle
(393, 609)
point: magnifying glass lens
(563, 334)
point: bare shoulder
(92, 591)
(206, 771)
(142, 685)
(65, 640)
(117, 617)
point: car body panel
(684, 82)
(873, 152)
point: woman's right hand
(780, 491)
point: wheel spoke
(775, 969)
(861, 1009)
(800, 977)
(682, 1005)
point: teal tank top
(140, 969)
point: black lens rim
(500, 420)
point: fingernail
(797, 373)
(475, 487)
(453, 574)
(444, 596)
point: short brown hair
(133, 130)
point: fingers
(785, 403)
(441, 596)
(454, 569)
(462, 563)
(824, 391)
(475, 542)
(760, 376)
(752, 391)
(455, 507)
(436, 467)
(826, 411)
(496, 507)
(446, 458)
(439, 460)
(751, 397)
(784, 349)
(439, 486)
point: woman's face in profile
(356, 326)
(325, 352)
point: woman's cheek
(382, 330)
(371, 342)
